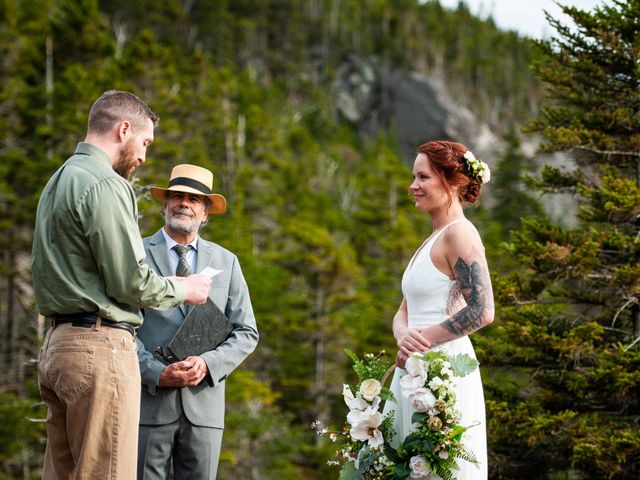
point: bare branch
(607, 152)
(631, 301)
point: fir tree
(572, 320)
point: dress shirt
(87, 250)
(192, 253)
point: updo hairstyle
(447, 161)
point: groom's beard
(127, 161)
(183, 225)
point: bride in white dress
(447, 289)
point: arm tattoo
(473, 282)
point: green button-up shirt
(87, 250)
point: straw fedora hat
(192, 179)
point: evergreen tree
(571, 321)
(512, 201)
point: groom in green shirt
(90, 281)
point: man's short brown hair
(115, 106)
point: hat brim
(218, 202)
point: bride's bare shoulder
(463, 238)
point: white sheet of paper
(210, 272)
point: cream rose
(370, 389)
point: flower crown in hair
(475, 168)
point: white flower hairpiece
(476, 168)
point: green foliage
(508, 187)
(257, 434)
(21, 430)
(462, 365)
(566, 395)
(350, 472)
(370, 366)
(592, 81)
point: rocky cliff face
(371, 96)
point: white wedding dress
(432, 297)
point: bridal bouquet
(436, 438)
(436, 442)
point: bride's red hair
(446, 160)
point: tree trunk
(49, 89)
(320, 387)
(229, 145)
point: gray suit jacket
(203, 404)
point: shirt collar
(172, 243)
(85, 148)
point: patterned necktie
(183, 269)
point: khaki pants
(90, 382)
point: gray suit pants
(192, 451)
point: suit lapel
(205, 253)
(159, 254)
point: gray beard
(186, 227)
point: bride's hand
(411, 341)
(401, 358)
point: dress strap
(433, 239)
(426, 245)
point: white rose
(370, 388)
(423, 400)
(409, 384)
(443, 454)
(419, 468)
(485, 173)
(469, 156)
(435, 383)
(416, 366)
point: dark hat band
(190, 182)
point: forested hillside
(318, 210)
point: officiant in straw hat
(192, 179)
(182, 403)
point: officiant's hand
(186, 373)
(199, 367)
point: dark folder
(204, 328)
